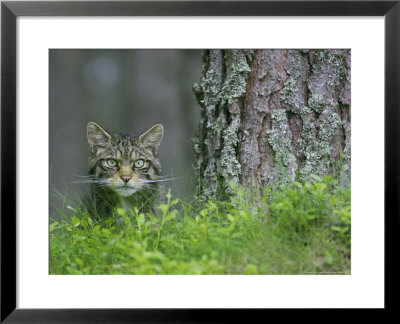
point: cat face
(123, 162)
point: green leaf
(79, 262)
(121, 212)
(250, 269)
(328, 259)
(163, 208)
(90, 221)
(168, 195)
(54, 226)
(315, 178)
(75, 221)
(106, 231)
(141, 219)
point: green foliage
(304, 228)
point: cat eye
(138, 163)
(111, 163)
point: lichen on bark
(269, 117)
(280, 140)
(220, 93)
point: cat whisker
(160, 180)
(83, 176)
(92, 180)
(79, 180)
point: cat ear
(97, 136)
(152, 137)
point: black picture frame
(11, 10)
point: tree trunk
(269, 117)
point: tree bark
(269, 117)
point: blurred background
(121, 90)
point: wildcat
(123, 170)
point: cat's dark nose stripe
(126, 178)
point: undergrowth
(302, 229)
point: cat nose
(126, 177)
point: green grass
(303, 229)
